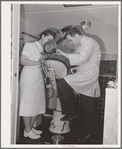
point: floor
(68, 138)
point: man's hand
(59, 52)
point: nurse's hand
(41, 59)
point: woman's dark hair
(47, 33)
(50, 47)
(74, 30)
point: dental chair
(59, 67)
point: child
(50, 47)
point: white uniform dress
(87, 58)
(32, 91)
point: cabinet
(110, 134)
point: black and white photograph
(61, 74)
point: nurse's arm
(26, 62)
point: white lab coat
(87, 58)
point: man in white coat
(83, 85)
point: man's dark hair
(47, 33)
(74, 30)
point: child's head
(50, 47)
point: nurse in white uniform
(32, 91)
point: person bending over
(84, 83)
(32, 90)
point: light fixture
(85, 25)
